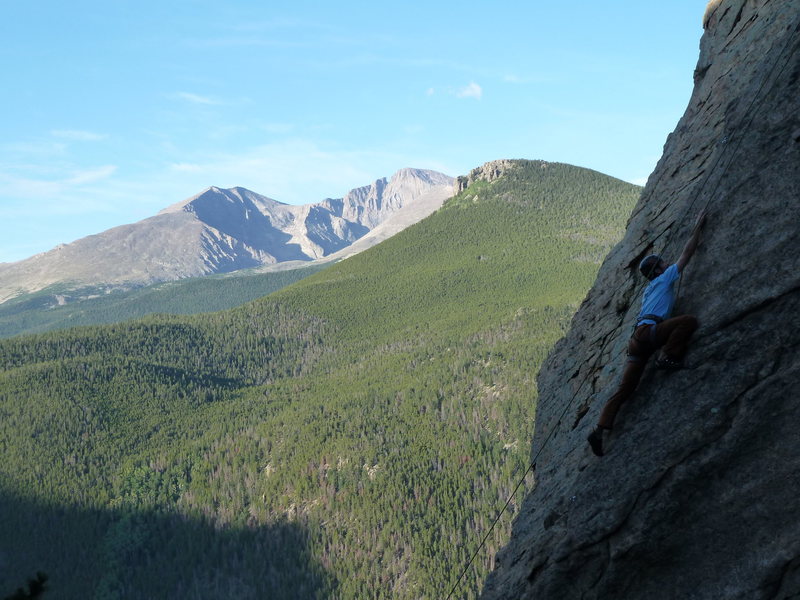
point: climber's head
(652, 266)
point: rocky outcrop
(487, 172)
(224, 230)
(697, 496)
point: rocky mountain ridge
(697, 494)
(224, 230)
(486, 172)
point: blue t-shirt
(659, 296)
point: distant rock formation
(487, 172)
(697, 497)
(224, 230)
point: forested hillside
(350, 436)
(58, 308)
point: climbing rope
(531, 467)
(724, 141)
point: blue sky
(114, 110)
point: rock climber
(654, 329)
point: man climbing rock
(654, 329)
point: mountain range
(224, 230)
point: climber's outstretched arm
(691, 245)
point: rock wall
(487, 172)
(698, 495)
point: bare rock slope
(224, 230)
(697, 496)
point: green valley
(352, 435)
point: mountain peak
(432, 177)
(218, 194)
(221, 230)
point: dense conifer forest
(352, 435)
(59, 307)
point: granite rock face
(698, 495)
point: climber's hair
(648, 265)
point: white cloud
(29, 189)
(78, 135)
(196, 98)
(57, 187)
(43, 151)
(473, 90)
(91, 175)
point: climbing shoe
(669, 364)
(595, 440)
